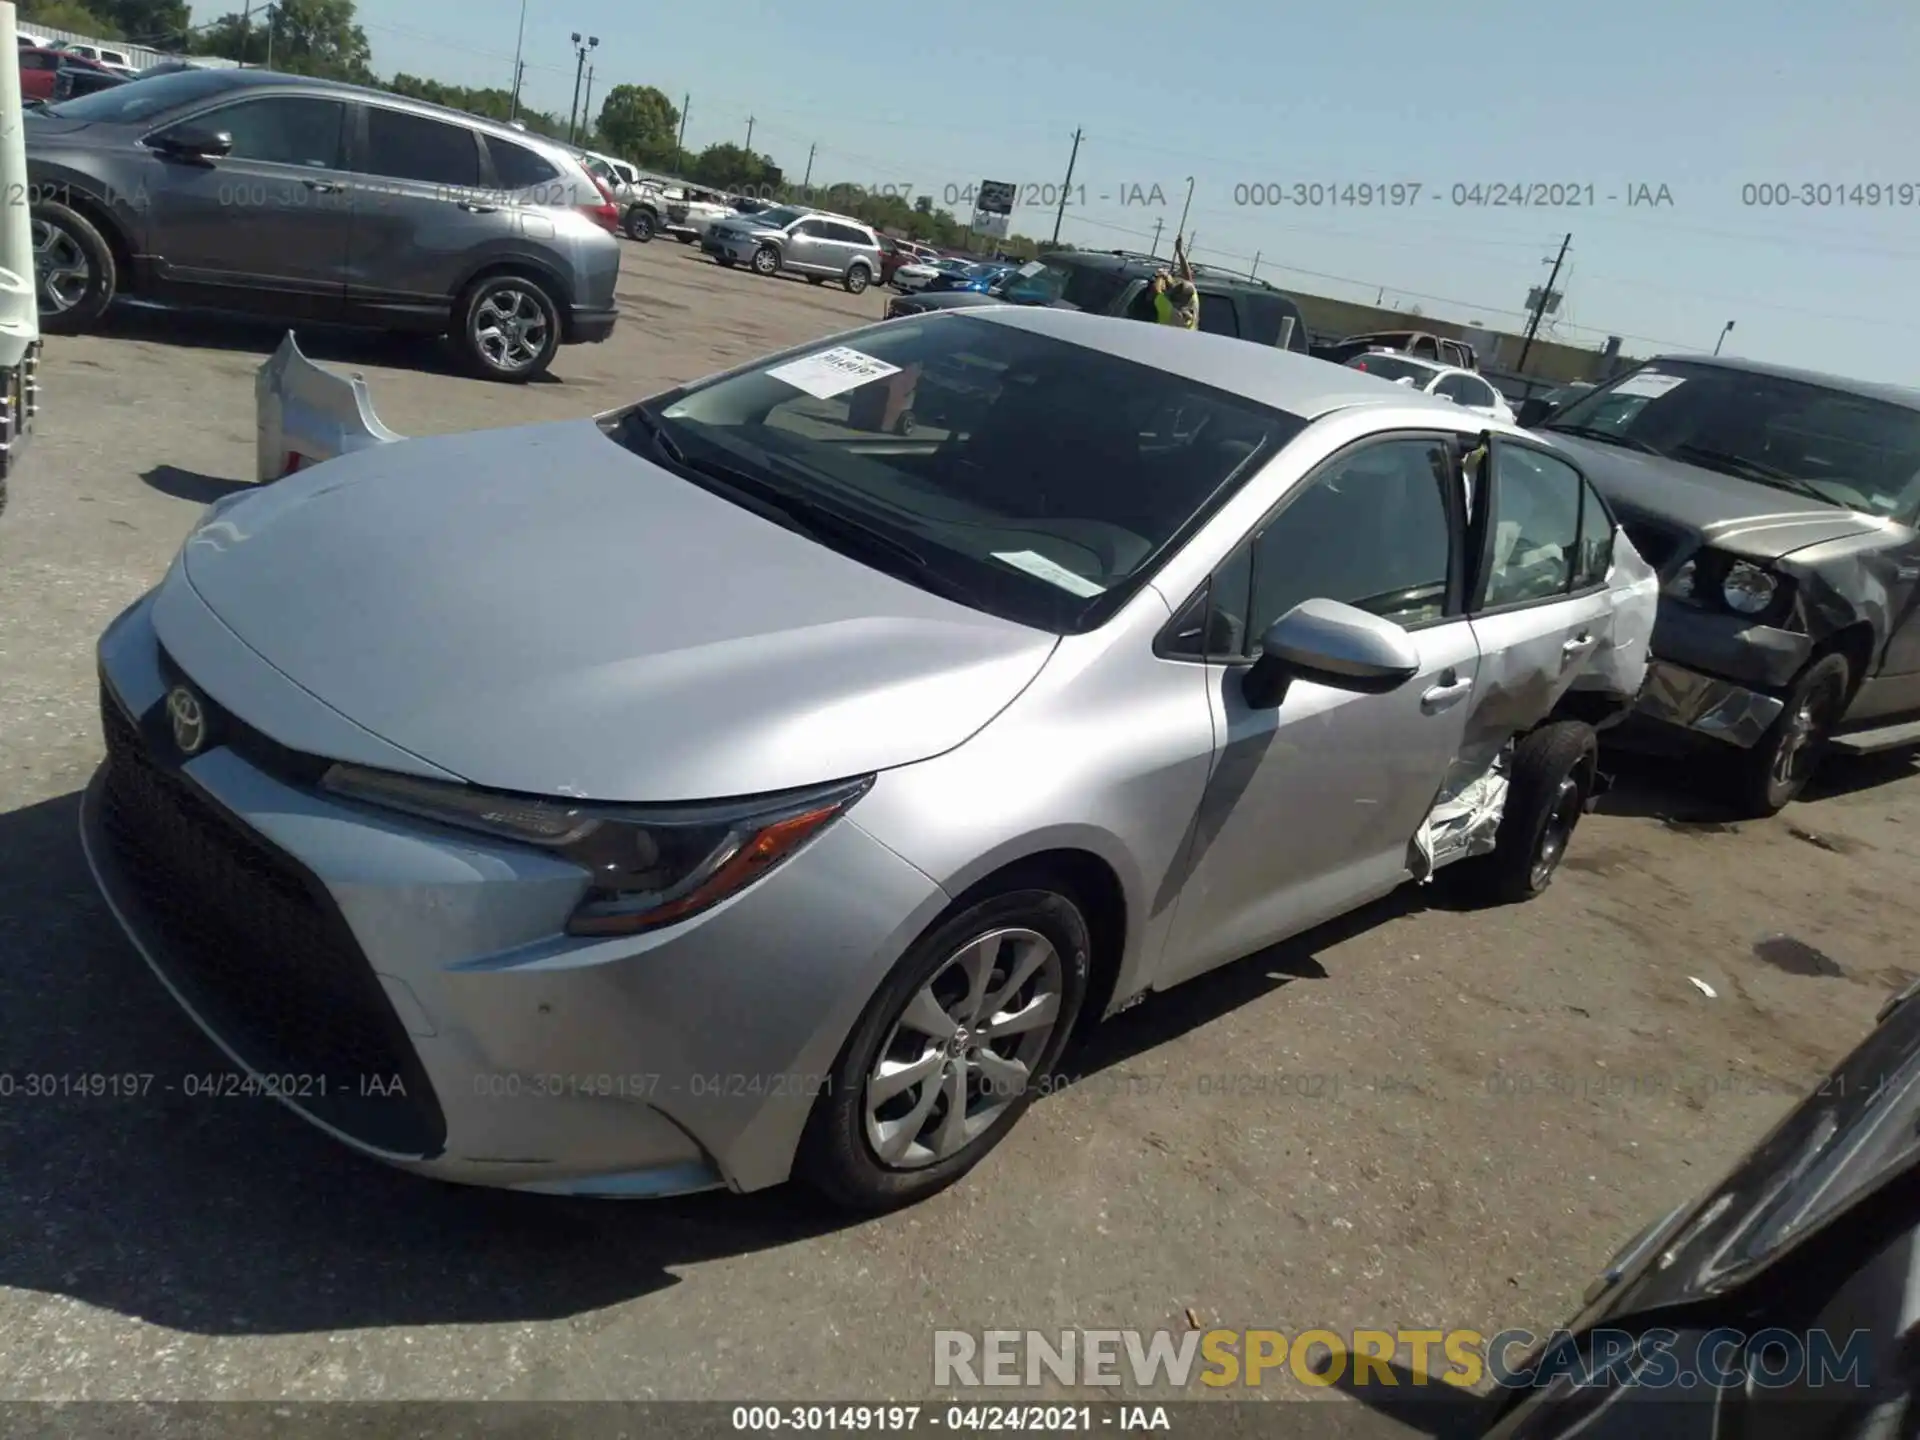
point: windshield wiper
(656, 431)
(1731, 464)
(1605, 437)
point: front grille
(259, 950)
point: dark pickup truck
(1114, 282)
(1780, 508)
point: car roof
(1267, 375)
(1866, 389)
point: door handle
(1578, 646)
(324, 187)
(474, 207)
(1449, 691)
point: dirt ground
(1418, 1117)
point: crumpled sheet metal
(1623, 661)
(1465, 820)
(304, 414)
(1713, 707)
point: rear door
(808, 250)
(1540, 605)
(420, 212)
(265, 226)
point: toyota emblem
(189, 719)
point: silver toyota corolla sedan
(764, 779)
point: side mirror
(192, 142)
(1330, 644)
(1535, 411)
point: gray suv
(302, 199)
(819, 246)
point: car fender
(305, 414)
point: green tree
(310, 37)
(488, 102)
(69, 15)
(733, 167)
(640, 123)
(159, 23)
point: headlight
(1681, 586)
(649, 866)
(1748, 589)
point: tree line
(639, 123)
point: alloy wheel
(60, 267)
(1800, 742)
(766, 260)
(964, 1048)
(510, 329)
(1562, 815)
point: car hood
(537, 609)
(1743, 517)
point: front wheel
(640, 225)
(74, 273)
(858, 278)
(507, 328)
(1771, 775)
(950, 1051)
(1547, 788)
(766, 261)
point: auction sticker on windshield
(1650, 384)
(832, 371)
(1040, 567)
(1032, 267)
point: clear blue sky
(1699, 96)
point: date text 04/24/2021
(1040, 1419)
(1461, 194)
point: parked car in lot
(1780, 507)
(41, 71)
(978, 277)
(894, 253)
(1420, 344)
(683, 211)
(76, 77)
(305, 199)
(106, 56)
(1448, 382)
(867, 765)
(1778, 1302)
(1115, 282)
(801, 242)
(921, 274)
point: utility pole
(680, 144)
(807, 181)
(519, 65)
(1254, 273)
(1723, 337)
(273, 14)
(579, 71)
(1546, 295)
(586, 109)
(1158, 225)
(1061, 213)
(246, 28)
(749, 134)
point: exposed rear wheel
(1547, 789)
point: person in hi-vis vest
(1175, 301)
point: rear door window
(1218, 316)
(405, 146)
(516, 167)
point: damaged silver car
(742, 784)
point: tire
(1770, 776)
(641, 225)
(841, 1155)
(525, 326)
(75, 277)
(1547, 790)
(858, 278)
(766, 261)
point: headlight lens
(649, 867)
(1748, 589)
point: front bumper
(1706, 705)
(332, 950)
(590, 327)
(734, 247)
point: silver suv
(804, 242)
(301, 199)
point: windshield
(1053, 281)
(779, 217)
(125, 104)
(983, 272)
(1031, 478)
(1392, 367)
(1853, 451)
